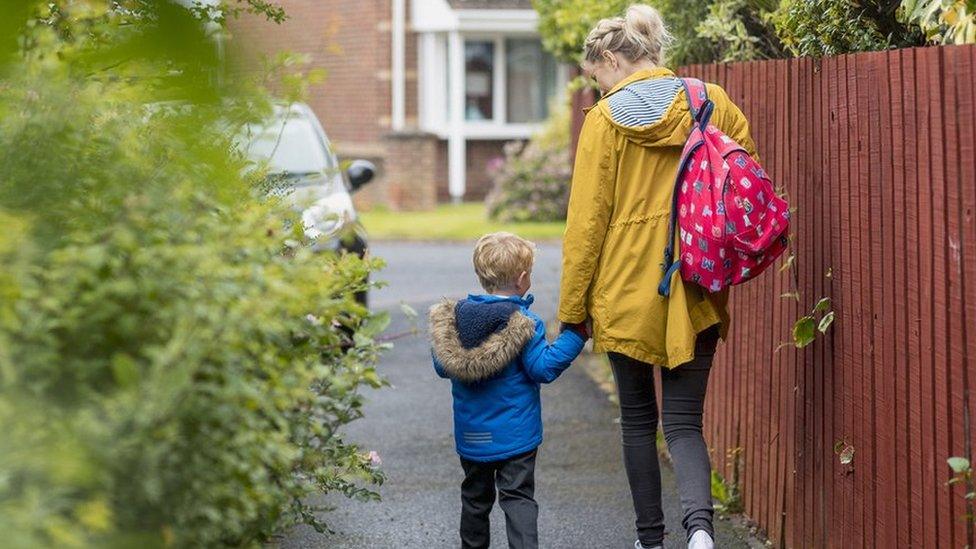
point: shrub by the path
(531, 182)
(171, 372)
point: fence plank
(860, 91)
(790, 530)
(952, 398)
(965, 84)
(899, 301)
(938, 333)
(815, 424)
(779, 362)
(834, 398)
(763, 377)
(846, 306)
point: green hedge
(175, 363)
(738, 30)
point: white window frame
(434, 52)
(442, 35)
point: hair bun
(645, 27)
(639, 34)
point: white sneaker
(701, 540)
(637, 545)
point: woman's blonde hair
(639, 34)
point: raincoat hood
(642, 107)
(477, 338)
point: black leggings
(684, 397)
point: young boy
(495, 352)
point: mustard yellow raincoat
(617, 225)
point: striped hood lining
(644, 102)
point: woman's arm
(590, 206)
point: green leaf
(959, 465)
(720, 491)
(375, 324)
(825, 322)
(822, 305)
(124, 370)
(804, 332)
(407, 310)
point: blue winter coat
(495, 352)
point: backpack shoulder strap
(696, 93)
(701, 111)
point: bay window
(506, 82)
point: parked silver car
(303, 168)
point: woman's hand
(582, 328)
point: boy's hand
(582, 329)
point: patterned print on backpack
(730, 221)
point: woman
(616, 232)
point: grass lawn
(465, 221)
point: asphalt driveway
(581, 487)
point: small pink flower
(374, 458)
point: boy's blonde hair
(500, 257)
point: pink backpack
(731, 222)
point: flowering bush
(531, 182)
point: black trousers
(514, 479)
(684, 390)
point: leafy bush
(942, 21)
(831, 27)
(738, 30)
(531, 182)
(682, 19)
(564, 24)
(172, 372)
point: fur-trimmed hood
(476, 338)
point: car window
(290, 146)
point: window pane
(531, 80)
(479, 57)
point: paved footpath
(581, 485)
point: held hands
(582, 328)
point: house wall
(351, 41)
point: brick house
(430, 90)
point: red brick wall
(350, 39)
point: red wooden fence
(876, 151)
